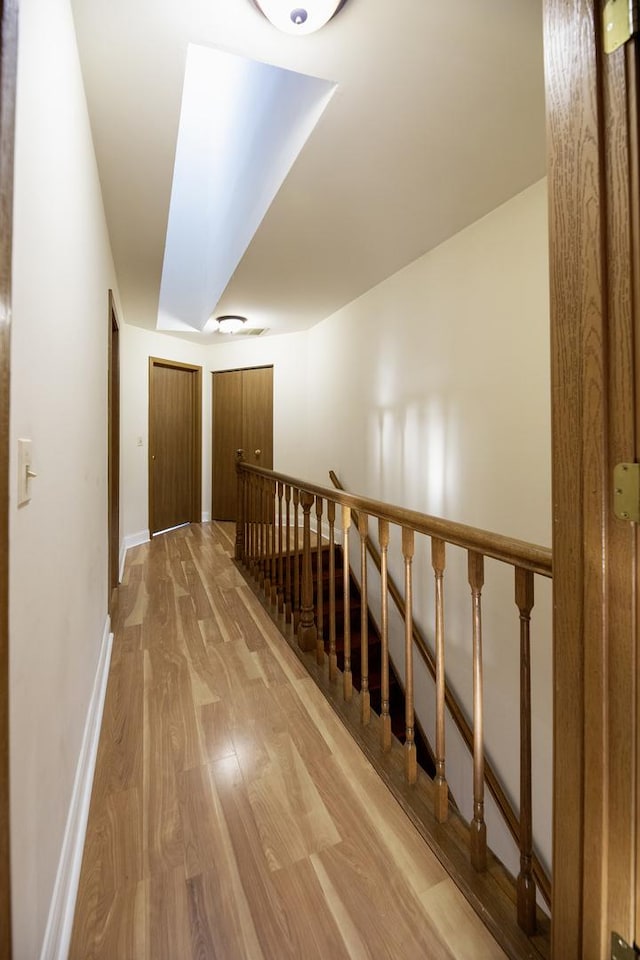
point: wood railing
(435, 665)
(270, 507)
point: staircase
(396, 690)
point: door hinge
(626, 491)
(619, 23)
(621, 950)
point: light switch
(25, 473)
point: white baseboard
(206, 516)
(131, 540)
(135, 539)
(60, 922)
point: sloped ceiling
(437, 118)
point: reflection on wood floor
(232, 815)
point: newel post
(307, 633)
(239, 551)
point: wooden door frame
(196, 498)
(595, 300)
(113, 443)
(8, 64)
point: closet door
(242, 418)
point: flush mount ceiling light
(299, 16)
(230, 323)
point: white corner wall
(58, 542)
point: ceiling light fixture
(299, 16)
(230, 323)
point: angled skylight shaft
(242, 125)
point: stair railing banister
(512, 821)
(270, 551)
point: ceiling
(437, 118)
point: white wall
(286, 353)
(58, 543)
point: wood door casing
(175, 444)
(242, 418)
(113, 448)
(8, 62)
(595, 299)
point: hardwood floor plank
(387, 819)
(218, 907)
(162, 825)
(313, 926)
(196, 589)
(119, 760)
(397, 926)
(118, 927)
(168, 930)
(456, 923)
(215, 725)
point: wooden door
(114, 448)
(227, 439)
(594, 207)
(175, 444)
(242, 419)
(8, 57)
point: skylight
(242, 125)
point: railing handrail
(457, 714)
(517, 553)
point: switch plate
(24, 471)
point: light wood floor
(232, 815)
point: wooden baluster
(478, 828)
(255, 531)
(319, 585)
(267, 522)
(307, 633)
(526, 883)
(333, 658)
(259, 529)
(247, 516)
(441, 794)
(265, 525)
(280, 591)
(383, 537)
(287, 588)
(296, 564)
(274, 542)
(365, 696)
(252, 505)
(411, 763)
(347, 678)
(239, 508)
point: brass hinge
(619, 23)
(626, 491)
(621, 950)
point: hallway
(232, 815)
